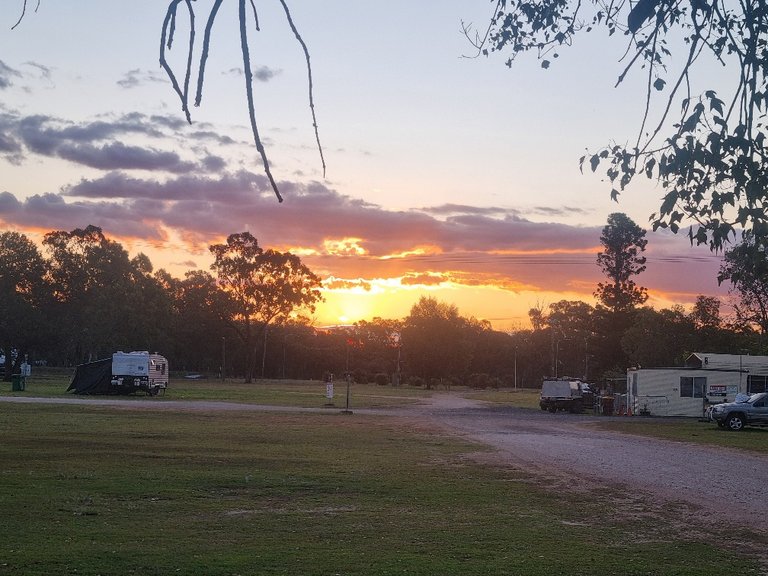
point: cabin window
(692, 386)
(162, 368)
(757, 384)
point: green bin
(17, 383)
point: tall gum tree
(621, 259)
(264, 286)
(745, 267)
(23, 295)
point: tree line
(81, 298)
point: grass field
(89, 490)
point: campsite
(132, 487)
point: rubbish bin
(17, 383)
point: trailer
(140, 371)
(123, 373)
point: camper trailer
(140, 370)
(124, 373)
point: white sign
(329, 390)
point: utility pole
(223, 358)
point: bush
(360, 377)
(483, 381)
(381, 379)
(415, 381)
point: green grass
(51, 383)
(88, 490)
(691, 430)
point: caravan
(124, 373)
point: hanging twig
(23, 12)
(309, 80)
(167, 35)
(249, 95)
(206, 46)
(166, 39)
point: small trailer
(124, 373)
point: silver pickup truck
(735, 415)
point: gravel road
(715, 484)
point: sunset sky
(449, 176)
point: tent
(93, 378)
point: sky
(447, 175)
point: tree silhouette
(745, 266)
(623, 242)
(264, 286)
(709, 157)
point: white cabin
(704, 380)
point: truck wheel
(735, 422)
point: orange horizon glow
(359, 286)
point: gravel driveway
(715, 484)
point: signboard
(329, 390)
(722, 390)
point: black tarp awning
(93, 378)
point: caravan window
(756, 384)
(692, 386)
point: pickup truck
(565, 394)
(753, 411)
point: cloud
(346, 285)
(119, 143)
(355, 243)
(265, 74)
(453, 209)
(156, 180)
(119, 156)
(262, 73)
(313, 217)
(137, 77)
(44, 71)
(6, 75)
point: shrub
(483, 381)
(415, 381)
(360, 377)
(381, 379)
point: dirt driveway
(714, 484)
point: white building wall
(751, 364)
(657, 390)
